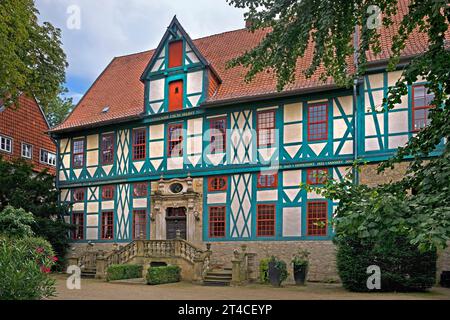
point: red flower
(55, 259)
(45, 269)
(40, 250)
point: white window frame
(2, 137)
(22, 150)
(48, 157)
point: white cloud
(112, 28)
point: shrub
(281, 267)
(403, 266)
(161, 275)
(264, 270)
(16, 222)
(124, 271)
(300, 259)
(24, 269)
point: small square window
(27, 151)
(108, 192)
(5, 144)
(140, 190)
(266, 180)
(78, 195)
(217, 184)
(316, 176)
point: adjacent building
(24, 135)
(170, 141)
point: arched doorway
(175, 220)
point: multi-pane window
(139, 143)
(78, 153)
(175, 140)
(265, 220)
(175, 54)
(266, 180)
(48, 157)
(107, 225)
(317, 213)
(78, 222)
(316, 176)
(78, 195)
(218, 135)
(5, 144)
(317, 122)
(27, 151)
(108, 192)
(140, 190)
(107, 150)
(217, 184)
(266, 128)
(139, 224)
(217, 222)
(421, 107)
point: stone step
(88, 275)
(216, 283)
(218, 277)
(224, 273)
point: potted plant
(300, 263)
(277, 271)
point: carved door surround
(176, 193)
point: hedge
(124, 271)
(264, 270)
(403, 267)
(161, 275)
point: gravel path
(100, 290)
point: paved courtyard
(99, 290)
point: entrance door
(175, 220)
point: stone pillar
(140, 248)
(236, 269)
(198, 270)
(100, 266)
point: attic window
(175, 54)
(105, 109)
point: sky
(96, 31)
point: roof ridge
(201, 38)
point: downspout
(355, 102)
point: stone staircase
(88, 273)
(218, 277)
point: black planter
(274, 275)
(300, 273)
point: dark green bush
(123, 271)
(264, 270)
(161, 275)
(403, 267)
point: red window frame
(78, 222)
(316, 176)
(172, 142)
(214, 185)
(265, 184)
(78, 195)
(266, 220)
(217, 221)
(78, 151)
(108, 192)
(107, 150)
(266, 125)
(317, 211)
(176, 54)
(219, 134)
(140, 190)
(426, 107)
(140, 220)
(139, 144)
(107, 225)
(316, 120)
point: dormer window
(175, 54)
(176, 95)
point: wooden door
(175, 220)
(176, 95)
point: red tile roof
(119, 86)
